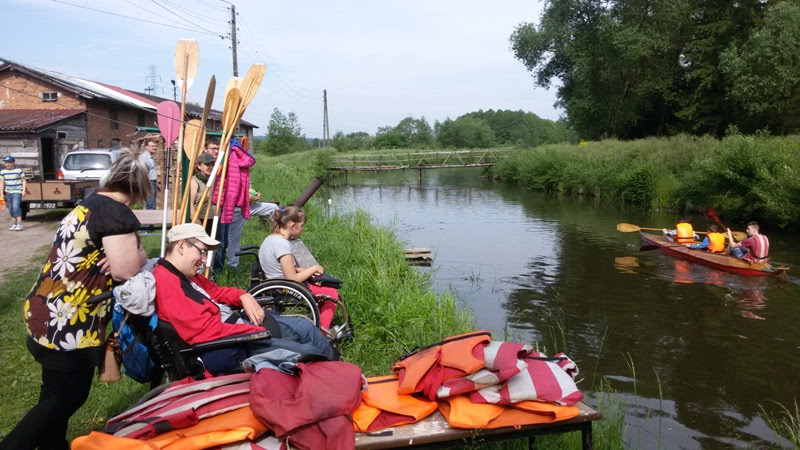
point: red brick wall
(99, 127)
(17, 81)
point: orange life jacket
(424, 370)
(685, 233)
(460, 412)
(716, 242)
(226, 428)
(383, 407)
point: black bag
(326, 280)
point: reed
(785, 422)
(745, 177)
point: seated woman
(277, 260)
(200, 310)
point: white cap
(191, 231)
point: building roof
(32, 120)
(102, 91)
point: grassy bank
(745, 177)
(391, 304)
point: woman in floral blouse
(96, 246)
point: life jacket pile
(483, 383)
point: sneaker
(13, 227)
(20, 227)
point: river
(693, 353)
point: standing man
(755, 248)
(12, 188)
(146, 157)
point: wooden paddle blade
(187, 54)
(233, 83)
(233, 100)
(212, 87)
(169, 121)
(739, 235)
(627, 227)
(251, 83)
(193, 134)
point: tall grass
(745, 177)
(786, 423)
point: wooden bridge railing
(418, 160)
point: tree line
(479, 129)
(636, 68)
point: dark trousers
(45, 425)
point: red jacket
(237, 184)
(195, 317)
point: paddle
(711, 214)
(169, 125)
(186, 57)
(198, 147)
(647, 248)
(630, 228)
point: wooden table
(152, 216)
(433, 431)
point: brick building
(45, 114)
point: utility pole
(151, 79)
(326, 132)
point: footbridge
(417, 160)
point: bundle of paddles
(473, 381)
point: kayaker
(714, 241)
(682, 234)
(755, 248)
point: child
(277, 260)
(12, 185)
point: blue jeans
(14, 204)
(151, 201)
(237, 227)
(738, 252)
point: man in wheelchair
(201, 311)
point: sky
(380, 61)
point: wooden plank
(435, 430)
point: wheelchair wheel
(287, 298)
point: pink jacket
(237, 183)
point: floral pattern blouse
(56, 314)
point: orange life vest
(716, 242)
(424, 370)
(460, 412)
(383, 407)
(685, 233)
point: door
(48, 159)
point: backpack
(134, 334)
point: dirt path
(24, 247)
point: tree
(764, 70)
(523, 128)
(284, 134)
(465, 132)
(390, 140)
(417, 132)
(617, 62)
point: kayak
(721, 261)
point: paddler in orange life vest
(755, 248)
(682, 234)
(713, 242)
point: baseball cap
(9, 158)
(191, 231)
(205, 158)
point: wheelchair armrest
(228, 341)
(248, 247)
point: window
(140, 119)
(49, 96)
(61, 134)
(112, 115)
(115, 143)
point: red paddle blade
(711, 214)
(169, 121)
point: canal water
(693, 353)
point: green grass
(785, 422)
(392, 305)
(745, 177)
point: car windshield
(84, 161)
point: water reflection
(676, 339)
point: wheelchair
(287, 297)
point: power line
(170, 25)
(197, 15)
(180, 17)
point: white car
(90, 164)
